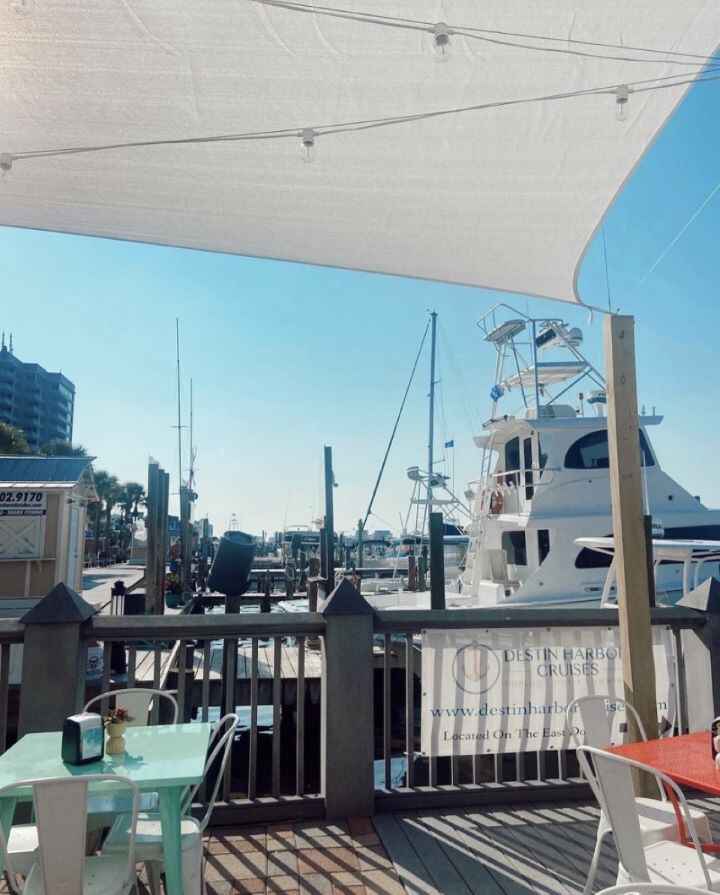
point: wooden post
(54, 660)
(329, 520)
(347, 708)
(628, 524)
(151, 583)
(163, 538)
(437, 562)
(312, 585)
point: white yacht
(544, 483)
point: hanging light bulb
(308, 136)
(441, 41)
(622, 95)
(6, 161)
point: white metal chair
(651, 889)
(60, 863)
(149, 840)
(662, 861)
(657, 817)
(138, 702)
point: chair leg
(592, 872)
(154, 874)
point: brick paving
(312, 857)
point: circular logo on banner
(476, 668)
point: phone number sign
(23, 503)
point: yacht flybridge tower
(544, 477)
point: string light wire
(640, 86)
(490, 35)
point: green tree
(107, 487)
(133, 494)
(58, 448)
(12, 440)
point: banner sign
(23, 503)
(506, 689)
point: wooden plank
(408, 864)
(626, 491)
(571, 835)
(476, 859)
(441, 869)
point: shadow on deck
(544, 849)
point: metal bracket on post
(53, 666)
(347, 715)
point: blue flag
(450, 443)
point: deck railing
(329, 701)
(426, 781)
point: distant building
(42, 404)
(43, 512)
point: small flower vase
(116, 741)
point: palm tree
(58, 448)
(133, 494)
(12, 440)
(113, 495)
(106, 486)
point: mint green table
(163, 758)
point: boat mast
(431, 422)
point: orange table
(686, 759)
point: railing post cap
(346, 600)
(61, 605)
(705, 597)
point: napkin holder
(83, 738)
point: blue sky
(286, 357)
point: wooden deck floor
(542, 849)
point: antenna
(191, 479)
(179, 421)
(431, 421)
(2, 344)
(11, 344)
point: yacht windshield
(591, 452)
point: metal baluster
(300, 721)
(4, 690)
(105, 681)
(252, 767)
(131, 665)
(230, 672)
(519, 766)
(476, 768)
(387, 744)
(180, 664)
(157, 659)
(541, 765)
(562, 764)
(498, 767)
(206, 681)
(81, 695)
(277, 694)
(409, 710)
(679, 695)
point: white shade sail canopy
(505, 197)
